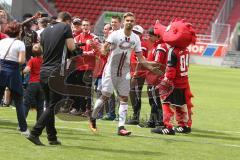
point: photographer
(53, 40)
(28, 36)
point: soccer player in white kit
(116, 74)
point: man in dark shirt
(28, 36)
(53, 40)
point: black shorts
(176, 98)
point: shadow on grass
(65, 133)
(8, 125)
(77, 138)
(68, 117)
(118, 151)
(193, 138)
(208, 132)
(214, 135)
(69, 131)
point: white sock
(122, 114)
(97, 107)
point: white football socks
(97, 107)
(122, 113)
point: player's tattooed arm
(147, 65)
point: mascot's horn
(159, 29)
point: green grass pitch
(215, 132)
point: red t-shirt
(87, 60)
(2, 35)
(141, 71)
(35, 65)
(158, 54)
(75, 34)
(99, 66)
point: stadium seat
(147, 11)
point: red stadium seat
(147, 11)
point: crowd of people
(116, 65)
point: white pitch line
(74, 122)
(108, 124)
(188, 140)
(217, 131)
(176, 140)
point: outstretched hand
(165, 87)
(95, 45)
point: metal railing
(220, 33)
(220, 30)
(234, 39)
(204, 38)
(225, 12)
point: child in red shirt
(34, 96)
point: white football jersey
(121, 47)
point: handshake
(80, 44)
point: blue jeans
(18, 101)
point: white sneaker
(25, 133)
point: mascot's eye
(175, 31)
(168, 28)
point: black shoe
(184, 129)
(35, 140)
(5, 105)
(163, 130)
(56, 142)
(159, 124)
(132, 122)
(147, 125)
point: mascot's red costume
(174, 88)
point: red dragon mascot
(174, 88)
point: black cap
(27, 15)
(151, 31)
(76, 21)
